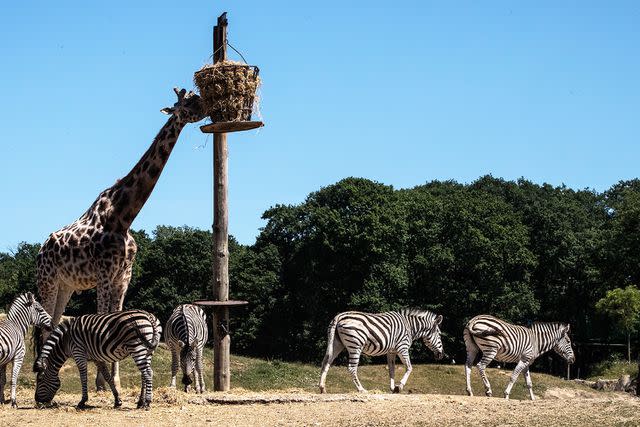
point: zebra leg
(472, 353)
(175, 362)
(199, 369)
(522, 365)
(329, 357)
(81, 362)
(3, 382)
(487, 357)
(527, 378)
(391, 363)
(404, 358)
(354, 360)
(104, 370)
(143, 362)
(17, 364)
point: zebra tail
(155, 340)
(331, 334)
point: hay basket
(228, 90)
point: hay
(228, 90)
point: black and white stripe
(186, 335)
(504, 342)
(390, 333)
(25, 311)
(103, 339)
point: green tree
(623, 306)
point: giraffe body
(98, 250)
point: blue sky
(399, 92)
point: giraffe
(98, 250)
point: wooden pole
(221, 338)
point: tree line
(515, 249)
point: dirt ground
(561, 407)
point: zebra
(104, 339)
(390, 333)
(185, 335)
(25, 311)
(502, 341)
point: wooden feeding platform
(226, 127)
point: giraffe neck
(117, 207)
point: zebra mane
(551, 324)
(51, 344)
(416, 312)
(22, 300)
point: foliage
(515, 249)
(623, 305)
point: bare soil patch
(295, 408)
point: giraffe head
(188, 108)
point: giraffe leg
(404, 358)
(17, 364)
(391, 363)
(104, 302)
(48, 298)
(117, 292)
(487, 357)
(521, 366)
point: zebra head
(563, 344)
(432, 338)
(47, 365)
(39, 316)
(187, 362)
(27, 311)
(426, 325)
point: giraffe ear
(168, 110)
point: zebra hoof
(14, 404)
(397, 389)
(323, 390)
(488, 394)
(117, 403)
(82, 406)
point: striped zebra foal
(25, 311)
(390, 333)
(502, 341)
(104, 339)
(186, 335)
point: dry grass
(279, 393)
(300, 408)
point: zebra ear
(438, 319)
(30, 298)
(181, 344)
(568, 328)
